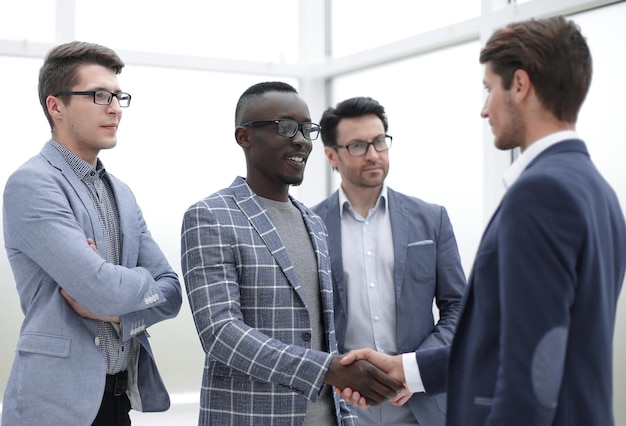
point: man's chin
(108, 144)
(293, 180)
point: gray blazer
(250, 314)
(427, 268)
(58, 372)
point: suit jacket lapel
(400, 235)
(332, 219)
(126, 208)
(256, 213)
(569, 145)
(315, 232)
(55, 159)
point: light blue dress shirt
(368, 273)
(368, 263)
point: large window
(433, 112)
(359, 25)
(28, 20)
(249, 30)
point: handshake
(365, 378)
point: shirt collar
(519, 165)
(344, 203)
(79, 166)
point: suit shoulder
(35, 176)
(412, 202)
(325, 205)
(222, 198)
(32, 166)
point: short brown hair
(59, 70)
(554, 54)
(349, 108)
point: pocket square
(420, 243)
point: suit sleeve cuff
(412, 373)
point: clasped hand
(390, 365)
(372, 385)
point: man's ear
(55, 106)
(331, 155)
(521, 85)
(242, 136)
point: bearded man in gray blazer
(91, 279)
(391, 254)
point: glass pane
(359, 25)
(601, 119)
(18, 21)
(26, 130)
(198, 28)
(601, 126)
(434, 119)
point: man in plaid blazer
(257, 273)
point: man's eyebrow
(375, 138)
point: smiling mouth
(299, 160)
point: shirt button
(306, 336)
(372, 285)
(369, 253)
(97, 341)
(376, 318)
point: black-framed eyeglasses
(288, 128)
(358, 149)
(102, 97)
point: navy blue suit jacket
(427, 267)
(534, 341)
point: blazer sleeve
(433, 367)
(47, 225)
(211, 257)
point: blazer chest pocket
(421, 261)
(44, 344)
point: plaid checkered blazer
(250, 314)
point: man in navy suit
(391, 255)
(535, 338)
